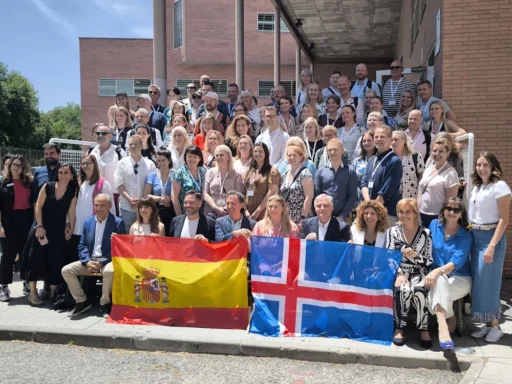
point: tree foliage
(19, 112)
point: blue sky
(41, 39)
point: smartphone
(43, 241)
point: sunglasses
(136, 168)
(191, 87)
(395, 68)
(195, 97)
(454, 210)
(102, 134)
(153, 92)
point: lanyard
(334, 121)
(198, 185)
(311, 153)
(222, 182)
(393, 91)
(439, 129)
(153, 108)
(374, 170)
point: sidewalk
(485, 363)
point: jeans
(129, 218)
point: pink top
(22, 196)
(258, 231)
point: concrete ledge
(242, 344)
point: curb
(239, 347)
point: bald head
(361, 71)
(415, 119)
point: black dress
(46, 262)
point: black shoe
(80, 308)
(105, 309)
(399, 341)
(427, 344)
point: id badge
(250, 193)
(370, 185)
(221, 202)
(392, 102)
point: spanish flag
(180, 282)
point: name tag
(221, 202)
(10, 185)
(250, 193)
(392, 102)
(370, 185)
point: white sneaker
(481, 333)
(5, 294)
(494, 335)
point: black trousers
(16, 233)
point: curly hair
(382, 215)
(231, 132)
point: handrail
(470, 137)
(69, 141)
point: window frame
(177, 24)
(121, 85)
(284, 27)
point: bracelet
(38, 226)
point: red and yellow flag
(180, 282)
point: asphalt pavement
(26, 362)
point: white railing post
(468, 154)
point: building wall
(477, 77)
(109, 58)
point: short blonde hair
(225, 149)
(413, 204)
(377, 115)
(184, 132)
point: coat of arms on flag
(313, 288)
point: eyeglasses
(395, 68)
(153, 92)
(136, 168)
(454, 210)
(98, 134)
(86, 164)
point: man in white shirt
(129, 179)
(274, 137)
(420, 140)
(425, 98)
(107, 155)
(348, 99)
(363, 84)
(95, 255)
(193, 224)
(333, 88)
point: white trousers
(447, 290)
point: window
(418, 10)
(221, 86)
(132, 87)
(266, 23)
(264, 87)
(178, 23)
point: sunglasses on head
(396, 67)
(453, 209)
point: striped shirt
(391, 93)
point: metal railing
(72, 156)
(468, 153)
(35, 157)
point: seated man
(193, 225)
(95, 255)
(325, 227)
(235, 224)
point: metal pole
(277, 46)
(298, 65)
(239, 43)
(159, 49)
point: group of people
(354, 162)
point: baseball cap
(122, 94)
(144, 96)
(211, 95)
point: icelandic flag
(321, 288)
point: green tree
(19, 112)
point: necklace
(448, 234)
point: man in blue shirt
(383, 176)
(47, 172)
(337, 180)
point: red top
(21, 196)
(199, 141)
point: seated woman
(370, 225)
(243, 159)
(206, 124)
(147, 223)
(415, 243)
(412, 164)
(332, 116)
(450, 278)
(213, 140)
(440, 123)
(276, 221)
(240, 126)
(158, 187)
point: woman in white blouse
(489, 217)
(439, 183)
(412, 164)
(180, 140)
(91, 184)
(370, 225)
(148, 222)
